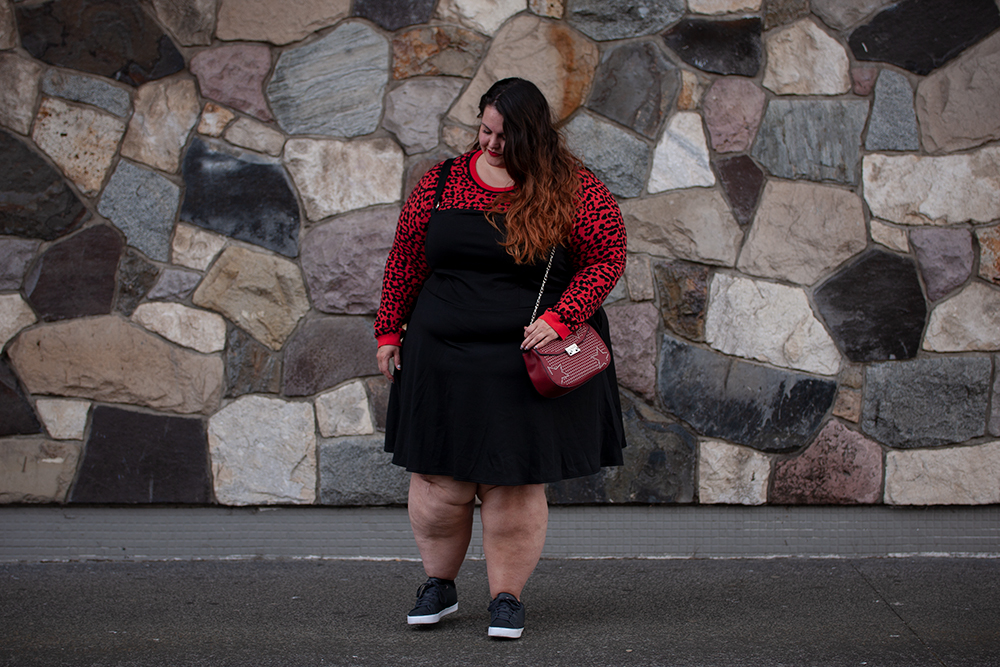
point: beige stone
(15, 314)
(214, 120)
(64, 418)
(262, 293)
(36, 470)
(731, 474)
(803, 60)
(681, 158)
(195, 247)
(336, 176)
(967, 322)
(256, 136)
(693, 88)
(946, 476)
(484, 17)
(19, 79)
(110, 360)
(344, 411)
(723, 6)
(551, 8)
(276, 22)
(457, 138)
(556, 58)
(165, 113)
(80, 140)
(198, 329)
(639, 276)
(889, 236)
(848, 404)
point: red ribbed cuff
(388, 339)
(554, 321)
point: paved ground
(905, 612)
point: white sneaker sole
(506, 633)
(430, 619)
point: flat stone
(357, 471)
(8, 31)
(17, 417)
(343, 260)
(334, 85)
(874, 308)
(263, 452)
(803, 60)
(659, 464)
(802, 231)
(417, 167)
(214, 120)
(15, 314)
(683, 290)
(90, 90)
(989, 253)
(922, 35)
(414, 110)
(344, 411)
(81, 141)
(194, 247)
(64, 418)
(891, 237)
(551, 8)
(732, 475)
(815, 139)
(136, 276)
(953, 476)
(966, 322)
(994, 425)
(635, 86)
(326, 351)
(723, 6)
(693, 89)
(951, 102)
(746, 403)
(945, 258)
(690, 224)
(927, 402)
(75, 277)
(191, 22)
(842, 14)
(848, 404)
(616, 19)
(174, 285)
(113, 39)
(256, 136)
(863, 80)
(553, 56)
(946, 190)
(36, 470)
(768, 322)
(639, 276)
(616, 156)
(840, 468)
(681, 157)
(262, 21)
(110, 360)
(782, 12)
(259, 292)
(165, 113)
(893, 124)
(143, 204)
(437, 50)
(743, 182)
(483, 17)
(721, 47)
(378, 393)
(633, 334)
(190, 327)
(251, 368)
(234, 75)
(258, 207)
(15, 255)
(733, 108)
(393, 15)
(138, 458)
(337, 176)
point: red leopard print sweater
(597, 249)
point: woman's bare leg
(441, 512)
(515, 519)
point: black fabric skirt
(462, 404)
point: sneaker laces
(504, 609)
(428, 594)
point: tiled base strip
(166, 533)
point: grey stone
(635, 86)
(174, 285)
(87, 89)
(191, 21)
(8, 31)
(15, 255)
(841, 14)
(617, 19)
(19, 78)
(945, 257)
(378, 393)
(617, 157)
(344, 411)
(277, 22)
(251, 368)
(814, 139)
(17, 417)
(893, 125)
(332, 86)
(743, 182)
(745, 403)
(681, 159)
(732, 474)
(64, 418)
(326, 351)
(136, 277)
(36, 470)
(143, 204)
(357, 471)
(392, 14)
(413, 111)
(927, 402)
(779, 12)
(15, 315)
(966, 322)
(994, 426)
(722, 47)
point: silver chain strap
(545, 279)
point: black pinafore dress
(462, 404)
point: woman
(463, 275)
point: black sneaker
(506, 617)
(436, 598)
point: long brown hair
(541, 210)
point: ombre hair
(540, 211)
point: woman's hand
(388, 357)
(538, 333)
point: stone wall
(197, 197)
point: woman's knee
(439, 489)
